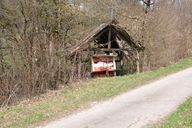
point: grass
(82, 94)
(182, 118)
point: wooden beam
(107, 49)
(109, 38)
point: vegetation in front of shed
(79, 95)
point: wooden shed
(109, 40)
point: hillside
(36, 37)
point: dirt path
(136, 108)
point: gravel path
(135, 108)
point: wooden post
(109, 45)
(79, 67)
(138, 64)
(109, 38)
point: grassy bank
(55, 104)
(182, 118)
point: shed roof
(120, 32)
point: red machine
(103, 65)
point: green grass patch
(182, 118)
(81, 94)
